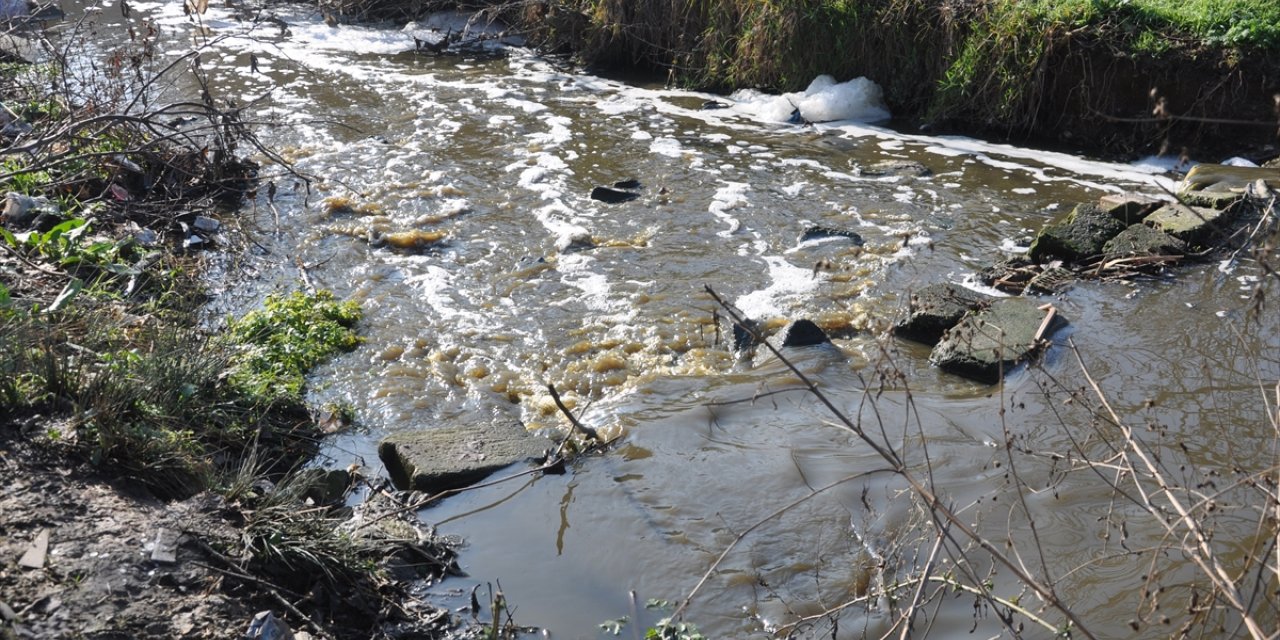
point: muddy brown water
(535, 283)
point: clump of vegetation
(110, 195)
(288, 337)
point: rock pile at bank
(984, 337)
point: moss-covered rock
(1081, 234)
(991, 342)
(936, 308)
(1142, 240)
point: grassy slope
(997, 64)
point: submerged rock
(900, 168)
(440, 459)
(818, 232)
(935, 309)
(1081, 234)
(994, 340)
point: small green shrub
(286, 338)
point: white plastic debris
(266, 626)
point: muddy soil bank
(1113, 81)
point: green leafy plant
(289, 336)
(668, 629)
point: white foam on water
(437, 285)
(788, 284)
(803, 162)
(669, 147)
(597, 293)
(1025, 191)
(794, 189)
(1237, 161)
(727, 198)
(970, 282)
(1008, 245)
(619, 105)
(825, 100)
(527, 106)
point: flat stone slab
(996, 339)
(936, 308)
(34, 556)
(1081, 234)
(1141, 240)
(1129, 207)
(1196, 225)
(1212, 199)
(900, 168)
(435, 460)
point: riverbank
(159, 476)
(1119, 78)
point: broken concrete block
(435, 460)
(992, 341)
(936, 308)
(1081, 234)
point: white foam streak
(787, 283)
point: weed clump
(287, 338)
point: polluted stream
(511, 277)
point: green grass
(156, 403)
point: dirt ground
(98, 578)
(101, 576)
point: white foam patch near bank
(825, 100)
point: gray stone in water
(435, 460)
(900, 168)
(818, 232)
(1212, 199)
(1081, 234)
(1141, 240)
(803, 333)
(936, 308)
(1196, 225)
(1129, 207)
(994, 340)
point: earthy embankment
(1116, 76)
(1109, 76)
